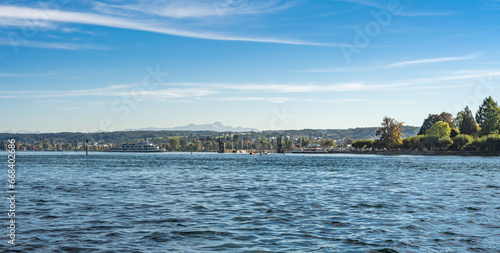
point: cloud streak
(112, 91)
(399, 64)
(378, 5)
(369, 3)
(434, 60)
(255, 92)
(275, 100)
(19, 16)
(291, 88)
(17, 41)
(423, 14)
(196, 8)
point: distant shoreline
(420, 153)
(378, 152)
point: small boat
(311, 149)
(140, 146)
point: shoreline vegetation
(465, 134)
(394, 152)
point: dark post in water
(222, 146)
(280, 148)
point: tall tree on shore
(467, 124)
(433, 118)
(174, 143)
(305, 143)
(488, 117)
(289, 144)
(459, 118)
(440, 129)
(390, 133)
(184, 144)
(328, 143)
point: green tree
(68, 147)
(173, 143)
(305, 143)
(445, 142)
(492, 142)
(289, 144)
(361, 144)
(46, 145)
(488, 117)
(328, 143)
(358, 144)
(454, 132)
(207, 145)
(184, 144)
(439, 129)
(390, 133)
(429, 141)
(459, 118)
(369, 143)
(414, 142)
(433, 118)
(462, 140)
(198, 146)
(468, 123)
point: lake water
(174, 202)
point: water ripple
(240, 203)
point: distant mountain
(216, 126)
(20, 132)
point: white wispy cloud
(337, 70)
(371, 3)
(72, 108)
(398, 64)
(22, 42)
(393, 102)
(294, 88)
(477, 75)
(434, 60)
(21, 14)
(423, 14)
(6, 74)
(431, 83)
(196, 8)
(275, 100)
(402, 10)
(259, 92)
(134, 91)
(15, 22)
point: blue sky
(112, 65)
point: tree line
(195, 140)
(466, 131)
